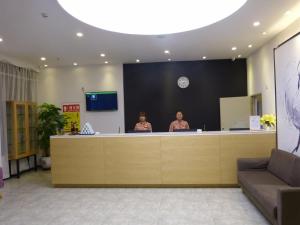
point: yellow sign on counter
(72, 113)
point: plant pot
(46, 163)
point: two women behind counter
(178, 124)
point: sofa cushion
(263, 186)
(281, 165)
(250, 178)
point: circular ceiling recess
(150, 17)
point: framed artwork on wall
(287, 83)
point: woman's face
(142, 118)
(179, 115)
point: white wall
(68, 84)
(260, 68)
(18, 62)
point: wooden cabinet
(22, 136)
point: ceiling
(28, 36)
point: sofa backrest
(296, 173)
(285, 166)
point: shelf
(21, 129)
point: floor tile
(31, 200)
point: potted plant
(50, 122)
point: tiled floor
(31, 200)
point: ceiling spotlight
(43, 58)
(79, 34)
(106, 62)
(102, 55)
(1, 39)
(287, 13)
(256, 24)
(75, 64)
(264, 33)
(167, 52)
(45, 65)
(249, 46)
(189, 19)
(137, 60)
(239, 56)
(234, 48)
(169, 60)
(203, 57)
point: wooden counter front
(158, 159)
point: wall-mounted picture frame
(287, 84)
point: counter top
(168, 134)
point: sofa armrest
(288, 206)
(252, 164)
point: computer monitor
(184, 130)
(139, 131)
(233, 129)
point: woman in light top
(179, 123)
(143, 125)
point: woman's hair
(142, 114)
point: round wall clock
(183, 82)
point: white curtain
(17, 84)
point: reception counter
(155, 159)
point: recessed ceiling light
(1, 39)
(75, 64)
(234, 48)
(45, 65)
(169, 60)
(106, 62)
(126, 21)
(102, 55)
(256, 23)
(239, 56)
(264, 33)
(167, 52)
(287, 13)
(43, 58)
(79, 34)
(203, 57)
(137, 60)
(249, 46)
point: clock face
(183, 82)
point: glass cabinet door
(10, 128)
(21, 129)
(32, 120)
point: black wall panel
(152, 87)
